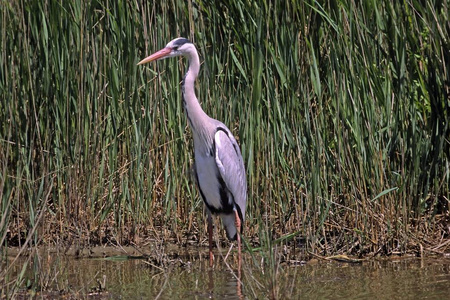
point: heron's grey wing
(231, 166)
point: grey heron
(219, 166)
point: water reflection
(224, 285)
(190, 277)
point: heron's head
(176, 47)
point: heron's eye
(175, 48)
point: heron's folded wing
(231, 167)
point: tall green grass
(341, 110)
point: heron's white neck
(196, 116)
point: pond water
(189, 277)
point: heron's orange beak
(157, 55)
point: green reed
(340, 109)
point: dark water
(404, 278)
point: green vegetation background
(341, 109)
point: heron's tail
(229, 223)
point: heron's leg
(238, 228)
(210, 229)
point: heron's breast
(208, 181)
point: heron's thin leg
(210, 229)
(238, 228)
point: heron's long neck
(194, 112)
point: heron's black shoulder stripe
(228, 135)
(212, 150)
(222, 129)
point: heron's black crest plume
(181, 42)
